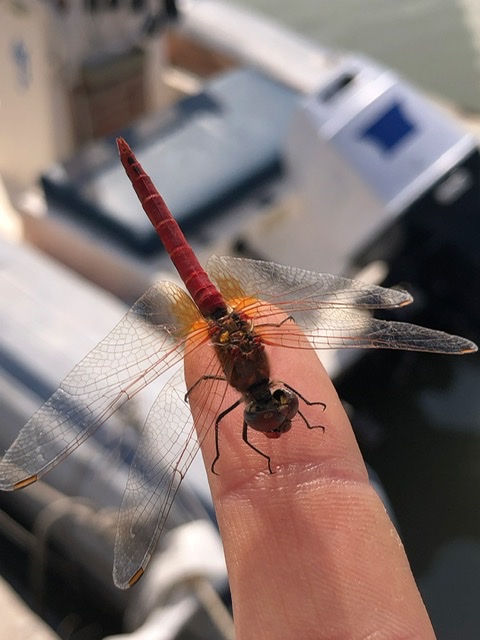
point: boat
(383, 180)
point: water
(428, 466)
(431, 42)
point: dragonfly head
(271, 412)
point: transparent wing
(292, 289)
(145, 343)
(330, 310)
(338, 329)
(167, 447)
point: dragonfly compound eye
(287, 402)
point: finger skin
(310, 549)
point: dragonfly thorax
(240, 351)
(270, 412)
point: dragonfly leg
(217, 429)
(311, 426)
(275, 324)
(202, 379)
(309, 402)
(245, 439)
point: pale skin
(310, 550)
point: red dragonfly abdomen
(205, 294)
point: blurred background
(336, 136)
(434, 44)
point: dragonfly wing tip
(25, 482)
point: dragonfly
(232, 306)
